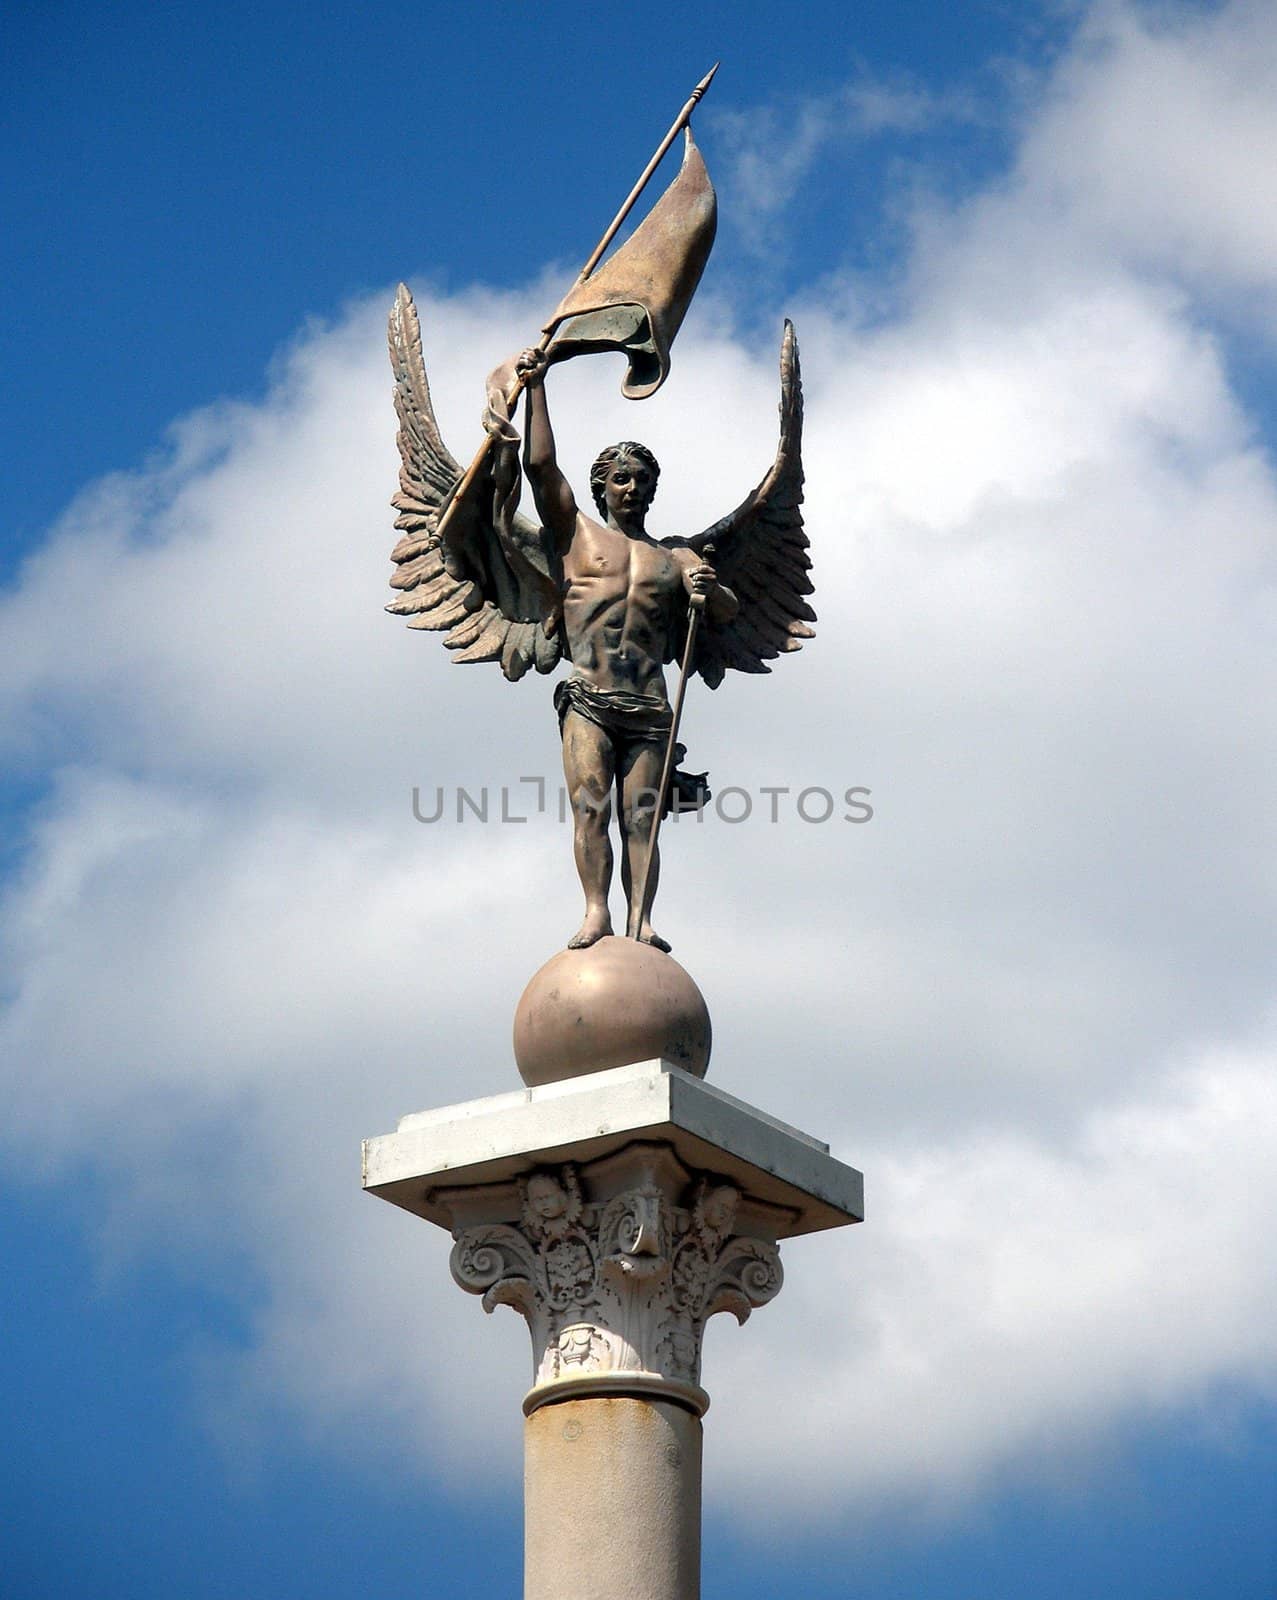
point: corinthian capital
(616, 1265)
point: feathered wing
(498, 598)
(760, 553)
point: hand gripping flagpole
(516, 388)
(641, 908)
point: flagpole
(680, 122)
(516, 388)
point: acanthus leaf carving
(622, 1286)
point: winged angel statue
(600, 592)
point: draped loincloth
(629, 719)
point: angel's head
(547, 1196)
(623, 480)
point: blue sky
(157, 156)
(1031, 256)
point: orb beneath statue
(614, 1003)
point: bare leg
(639, 778)
(589, 764)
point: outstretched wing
(760, 553)
(497, 597)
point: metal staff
(695, 605)
(547, 333)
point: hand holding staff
(695, 608)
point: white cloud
(1158, 138)
(768, 152)
(1009, 1300)
(1031, 998)
(1148, 150)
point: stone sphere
(616, 1002)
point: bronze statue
(602, 593)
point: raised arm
(555, 502)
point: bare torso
(623, 594)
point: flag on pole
(636, 301)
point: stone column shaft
(612, 1500)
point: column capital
(616, 1265)
(617, 1212)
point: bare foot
(597, 925)
(649, 935)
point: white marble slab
(501, 1137)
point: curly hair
(613, 453)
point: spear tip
(705, 82)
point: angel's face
(720, 1208)
(546, 1197)
(628, 489)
